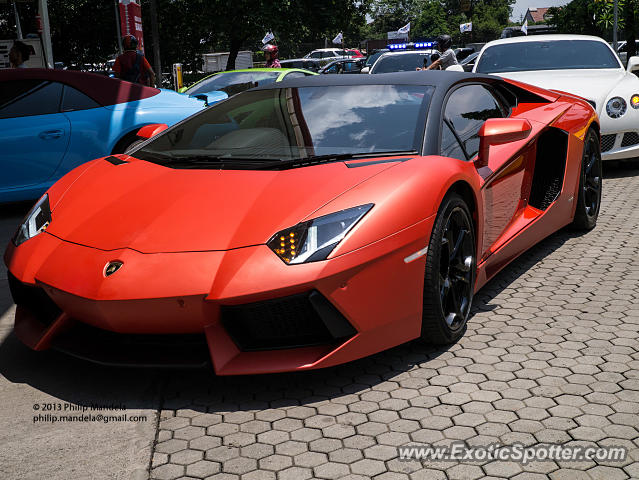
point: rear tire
(590, 183)
(449, 280)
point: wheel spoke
(458, 243)
(592, 158)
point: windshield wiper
(331, 157)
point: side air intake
(550, 165)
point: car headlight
(616, 107)
(36, 221)
(315, 239)
(634, 101)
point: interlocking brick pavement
(551, 355)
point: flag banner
(524, 27)
(268, 37)
(131, 20)
(405, 28)
(466, 27)
(339, 38)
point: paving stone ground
(551, 356)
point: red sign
(131, 20)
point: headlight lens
(616, 107)
(315, 239)
(634, 101)
(36, 221)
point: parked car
(622, 50)
(370, 60)
(469, 62)
(326, 53)
(219, 86)
(51, 121)
(578, 64)
(310, 64)
(353, 52)
(402, 61)
(304, 224)
(344, 66)
(462, 53)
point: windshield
(547, 55)
(296, 123)
(371, 59)
(233, 82)
(405, 62)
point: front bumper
(619, 145)
(243, 309)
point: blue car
(51, 121)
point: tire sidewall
(434, 323)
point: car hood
(152, 209)
(164, 99)
(595, 85)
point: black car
(344, 66)
(469, 62)
(311, 64)
(462, 53)
(402, 61)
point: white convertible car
(581, 65)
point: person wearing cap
(271, 54)
(132, 66)
(447, 56)
(19, 54)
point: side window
(73, 99)
(316, 55)
(29, 97)
(450, 146)
(466, 110)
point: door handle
(51, 134)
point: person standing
(271, 54)
(19, 54)
(132, 66)
(447, 56)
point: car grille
(607, 142)
(35, 300)
(127, 349)
(296, 321)
(629, 139)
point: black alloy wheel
(590, 184)
(450, 273)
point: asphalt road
(551, 355)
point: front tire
(450, 273)
(589, 198)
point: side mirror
(633, 64)
(497, 131)
(365, 70)
(152, 130)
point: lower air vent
(297, 321)
(629, 139)
(35, 300)
(607, 142)
(548, 177)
